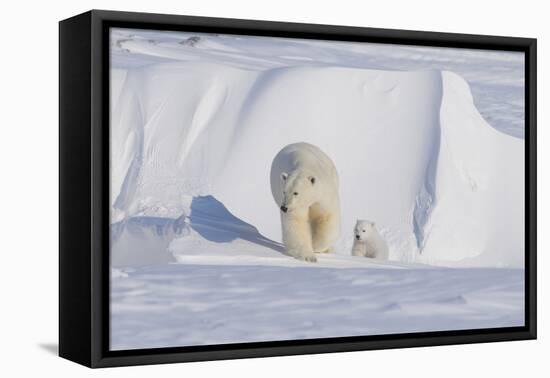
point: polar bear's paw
(308, 258)
(304, 256)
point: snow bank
(478, 217)
(496, 77)
(413, 153)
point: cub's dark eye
(295, 193)
(363, 230)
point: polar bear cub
(368, 242)
(304, 184)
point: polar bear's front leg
(297, 235)
(324, 229)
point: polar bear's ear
(311, 179)
(284, 176)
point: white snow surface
(195, 234)
(182, 304)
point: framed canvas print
(235, 188)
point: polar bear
(304, 184)
(367, 241)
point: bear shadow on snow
(214, 222)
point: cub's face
(363, 229)
(299, 191)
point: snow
(195, 234)
(480, 182)
(185, 304)
(496, 78)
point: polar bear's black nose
(357, 237)
(284, 209)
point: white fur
(368, 242)
(312, 220)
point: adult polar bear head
(304, 183)
(299, 191)
(304, 169)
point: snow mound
(479, 217)
(411, 150)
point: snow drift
(412, 152)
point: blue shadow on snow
(211, 219)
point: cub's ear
(284, 176)
(373, 224)
(312, 180)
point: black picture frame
(84, 183)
